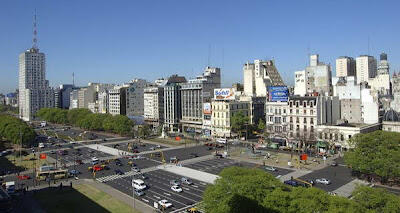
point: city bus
(52, 174)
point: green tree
(239, 122)
(144, 131)
(261, 125)
(13, 130)
(376, 200)
(376, 153)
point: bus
(52, 174)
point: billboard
(278, 93)
(207, 108)
(224, 94)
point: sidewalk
(348, 188)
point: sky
(116, 41)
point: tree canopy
(13, 130)
(376, 153)
(253, 190)
(238, 122)
(85, 119)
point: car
(135, 169)
(73, 172)
(291, 183)
(96, 168)
(152, 148)
(116, 146)
(165, 203)
(52, 152)
(271, 168)
(176, 188)
(118, 163)
(118, 172)
(138, 192)
(323, 181)
(138, 184)
(193, 155)
(186, 180)
(135, 151)
(174, 182)
(104, 139)
(157, 154)
(79, 162)
(142, 176)
(158, 146)
(334, 163)
(23, 177)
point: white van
(41, 145)
(95, 161)
(138, 184)
(221, 140)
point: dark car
(79, 162)
(135, 151)
(291, 182)
(118, 163)
(119, 172)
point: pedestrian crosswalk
(113, 177)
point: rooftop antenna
(73, 79)
(34, 41)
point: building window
(305, 128)
(304, 120)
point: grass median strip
(81, 198)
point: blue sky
(115, 41)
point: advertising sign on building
(224, 94)
(278, 93)
(207, 108)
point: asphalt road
(215, 166)
(159, 188)
(140, 147)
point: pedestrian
(70, 184)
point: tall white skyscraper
(34, 90)
(365, 68)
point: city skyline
(110, 49)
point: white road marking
(167, 194)
(145, 200)
(195, 186)
(156, 197)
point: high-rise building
(365, 68)
(154, 105)
(318, 77)
(258, 76)
(345, 66)
(135, 97)
(117, 100)
(34, 90)
(62, 96)
(194, 94)
(172, 103)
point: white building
(117, 100)
(300, 83)
(258, 76)
(345, 66)
(172, 103)
(135, 97)
(381, 83)
(34, 90)
(103, 101)
(223, 106)
(318, 77)
(365, 68)
(391, 121)
(154, 105)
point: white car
(176, 188)
(323, 181)
(165, 203)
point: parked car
(165, 203)
(334, 163)
(118, 172)
(186, 180)
(323, 181)
(271, 168)
(176, 188)
(291, 183)
(142, 176)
